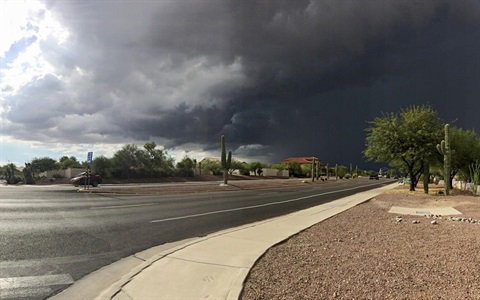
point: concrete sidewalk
(212, 267)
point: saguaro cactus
(28, 173)
(313, 170)
(226, 161)
(444, 148)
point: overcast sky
(277, 78)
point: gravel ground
(364, 253)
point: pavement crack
(139, 258)
(207, 263)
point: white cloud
(16, 22)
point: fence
(68, 173)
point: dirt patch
(233, 185)
(365, 253)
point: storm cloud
(278, 78)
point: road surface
(51, 236)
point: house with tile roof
(301, 160)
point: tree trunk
(426, 178)
(412, 181)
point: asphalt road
(51, 236)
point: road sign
(89, 157)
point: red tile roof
(300, 160)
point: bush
(347, 176)
(57, 176)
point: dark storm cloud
(283, 78)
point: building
(301, 160)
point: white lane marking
(253, 206)
(34, 281)
(123, 206)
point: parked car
(373, 177)
(82, 179)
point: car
(373, 177)
(82, 179)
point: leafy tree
(185, 167)
(126, 160)
(66, 162)
(156, 161)
(256, 167)
(405, 140)
(279, 167)
(238, 165)
(100, 164)
(44, 164)
(341, 171)
(294, 169)
(464, 143)
(306, 170)
(213, 166)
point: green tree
(212, 165)
(341, 171)
(294, 169)
(126, 161)
(238, 165)
(464, 144)
(185, 167)
(100, 164)
(156, 161)
(66, 162)
(405, 140)
(43, 164)
(306, 170)
(256, 167)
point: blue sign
(89, 157)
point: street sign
(89, 157)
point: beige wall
(68, 173)
(272, 173)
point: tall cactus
(444, 148)
(313, 170)
(226, 161)
(28, 173)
